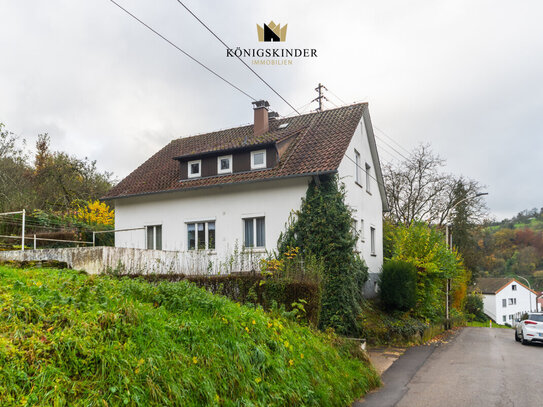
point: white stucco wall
(489, 306)
(525, 302)
(366, 203)
(226, 205)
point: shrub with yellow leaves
(96, 213)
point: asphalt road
(479, 367)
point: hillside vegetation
(71, 339)
(513, 247)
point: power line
(181, 50)
(392, 147)
(242, 61)
(337, 97)
(390, 154)
(301, 109)
(375, 127)
(392, 139)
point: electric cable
(181, 50)
(242, 61)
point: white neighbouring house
(506, 299)
(215, 192)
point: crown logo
(272, 32)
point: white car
(530, 330)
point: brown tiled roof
(321, 140)
(489, 285)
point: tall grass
(68, 339)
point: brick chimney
(261, 125)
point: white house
(506, 299)
(220, 191)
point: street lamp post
(448, 238)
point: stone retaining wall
(95, 260)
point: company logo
(272, 32)
(275, 54)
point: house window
(505, 318)
(512, 301)
(224, 164)
(362, 238)
(514, 287)
(201, 236)
(510, 317)
(195, 168)
(354, 227)
(372, 240)
(504, 303)
(368, 178)
(358, 167)
(154, 237)
(254, 232)
(258, 159)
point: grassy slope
(72, 339)
(487, 325)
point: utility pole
(319, 99)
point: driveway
(479, 367)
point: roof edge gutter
(308, 174)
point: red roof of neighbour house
(319, 143)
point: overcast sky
(465, 76)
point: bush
(398, 285)
(474, 307)
(323, 228)
(397, 328)
(267, 289)
(425, 247)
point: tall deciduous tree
(52, 182)
(418, 190)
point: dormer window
(195, 168)
(258, 159)
(224, 164)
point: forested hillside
(513, 247)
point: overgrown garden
(68, 339)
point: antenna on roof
(320, 97)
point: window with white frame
(201, 235)
(512, 301)
(368, 178)
(254, 232)
(504, 303)
(372, 240)
(505, 318)
(195, 168)
(258, 159)
(510, 317)
(514, 287)
(154, 237)
(358, 167)
(224, 164)
(362, 238)
(354, 227)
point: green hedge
(256, 289)
(398, 285)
